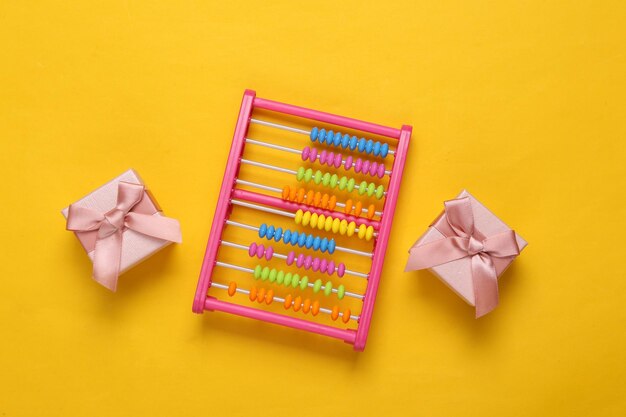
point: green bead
(265, 273)
(287, 280)
(370, 189)
(380, 191)
(300, 173)
(362, 187)
(326, 179)
(342, 183)
(295, 280)
(308, 175)
(333, 180)
(273, 274)
(257, 272)
(341, 291)
(328, 288)
(318, 176)
(350, 184)
(280, 277)
(304, 282)
(317, 285)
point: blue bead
(376, 150)
(287, 236)
(345, 140)
(324, 245)
(313, 134)
(322, 135)
(331, 246)
(353, 143)
(262, 230)
(301, 239)
(270, 232)
(337, 139)
(329, 137)
(361, 144)
(278, 234)
(316, 243)
(368, 146)
(294, 238)
(309, 241)
(383, 150)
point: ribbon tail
(485, 283)
(160, 227)
(106, 261)
(423, 256)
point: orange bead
(297, 303)
(315, 308)
(309, 197)
(301, 192)
(288, 302)
(346, 315)
(269, 297)
(306, 306)
(286, 192)
(335, 313)
(317, 198)
(332, 202)
(232, 288)
(261, 296)
(358, 208)
(371, 211)
(292, 194)
(252, 293)
(325, 198)
(348, 208)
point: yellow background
(522, 103)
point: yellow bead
(336, 223)
(329, 224)
(321, 221)
(351, 228)
(369, 233)
(343, 226)
(313, 222)
(298, 217)
(306, 218)
(362, 229)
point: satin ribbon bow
(463, 240)
(110, 227)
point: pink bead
(323, 265)
(348, 163)
(331, 268)
(341, 269)
(381, 170)
(323, 157)
(260, 250)
(300, 260)
(307, 262)
(252, 249)
(269, 253)
(366, 166)
(316, 264)
(313, 155)
(373, 168)
(290, 257)
(357, 165)
(305, 153)
(338, 159)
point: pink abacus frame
(203, 301)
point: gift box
(119, 225)
(468, 248)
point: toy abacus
(340, 221)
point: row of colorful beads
(324, 201)
(345, 141)
(308, 262)
(329, 223)
(294, 280)
(344, 183)
(293, 238)
(336, 160)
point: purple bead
(331, 268)
(323, 157)
(338, 159)
(252, 249)
(260, 250)
(305, 153)
(366, 166)
(357, 165)
(313, 155)
(373, 168)
(348, 163)
(307, 262)
(300, 260)
(316, 264)
(341, 269)
(269, 253)
(381, 170)
(323, 265)
(290, 257)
